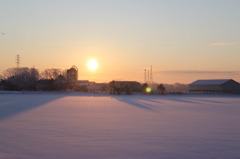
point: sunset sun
(92, 65)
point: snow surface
(78, 126)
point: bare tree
(51, 73)
(1, 77)
(21, 78)
(60, 83)
(10, 72)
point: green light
(148, 89)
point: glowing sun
(92, 65)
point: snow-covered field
(78, 126)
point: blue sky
(124, 36)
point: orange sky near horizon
(182, 41)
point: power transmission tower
(18, 60)
(145, 75)
(148, 76)
(151, 75)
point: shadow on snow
(12, 104)
(142, 102)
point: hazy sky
(184, 40)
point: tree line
(30, 79)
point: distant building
(92, 87)
(127, 87)
(82, 83)
(72, 77)
(97, 87)
(215, 86)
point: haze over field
(183, 40)
(58, 125)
